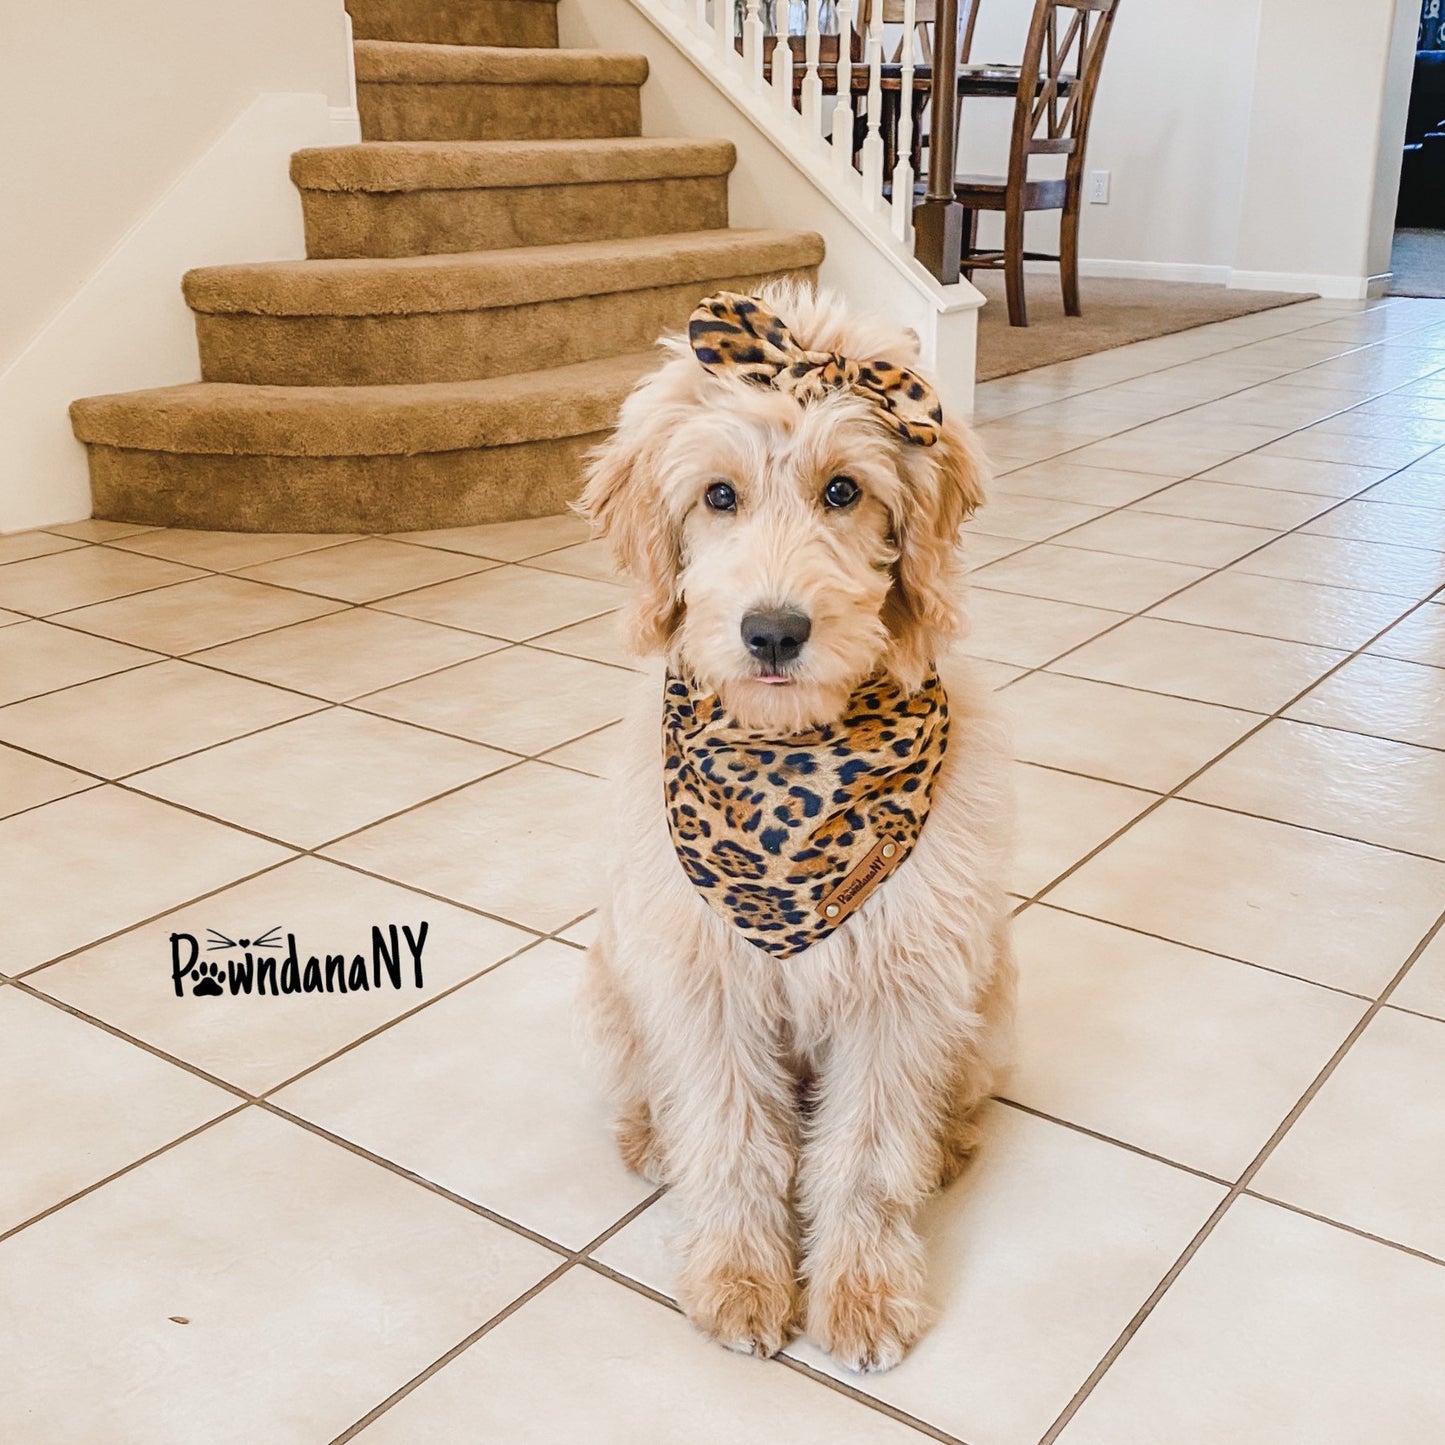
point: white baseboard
(1182, 271)
(128, 325)
(1377, 286)
(1345, 288)
(1335, 288)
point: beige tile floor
(1208, 588)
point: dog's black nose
(776, 636)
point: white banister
(903, 167)
(722, 30)
(799, 169)
(753, 42)
(783, 60)
(812, 81)
(843, 108)
(872, 159)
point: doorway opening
(1417, 260)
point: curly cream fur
(802, 1109)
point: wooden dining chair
(925, 16)
(925, 19)
(1059, 79)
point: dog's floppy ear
(942, 486)
(622, 501)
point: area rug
(1417, 264)
(1115, 313)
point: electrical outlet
(1098, 188)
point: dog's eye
(841, 492)
(721, 497)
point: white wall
(1318, 152)
(142, 137)
(1254, 142)
(103, 103)
(1171, 125)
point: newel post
(938, 222)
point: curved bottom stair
(230, 457)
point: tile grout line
(1103, 1138)
(23, 982)
(116, 1032)
(1241, 812)
(165, 1148)
(1239, 1187)
(381, 1028)
(326, 705)
(1354, 350)
(432, 1186)
(842, 1387)
(1380, 1239)
(1174, 793)
(339, 605)
(26, 973)
(263, 1100)
(124, 784)
(1195, 947)
(1169, 596)
(464, 1344)
(1194, 476)
(1417, 1013)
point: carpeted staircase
(487, 273)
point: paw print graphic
(208, 979)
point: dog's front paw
(865, 1319)
(750, 1310)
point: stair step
(409, 198)
(459, 92)
(473, 315)
(351, 459)
(456, 22)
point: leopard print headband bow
(732, 334)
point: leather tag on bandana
(855, 889)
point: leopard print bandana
(732, 334)
(785, 837)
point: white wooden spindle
(783, 60)
(872, 158)
(812, 81)
(753, 42)
(843, 108)
(722, 30)
(903, 168)
(699, 16)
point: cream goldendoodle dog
(802, 983)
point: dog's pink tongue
(774, 679)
